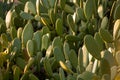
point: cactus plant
(60, 40)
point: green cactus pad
(47, 67)
(92, 46)
(27, 33)
(106, 36)
(29, 6)
(88, 10)
(73, 58)
(59, 27)
(30, 48)
(58, 54)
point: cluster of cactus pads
(60, 40)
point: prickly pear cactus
(59, 40)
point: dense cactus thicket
(60, 40)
